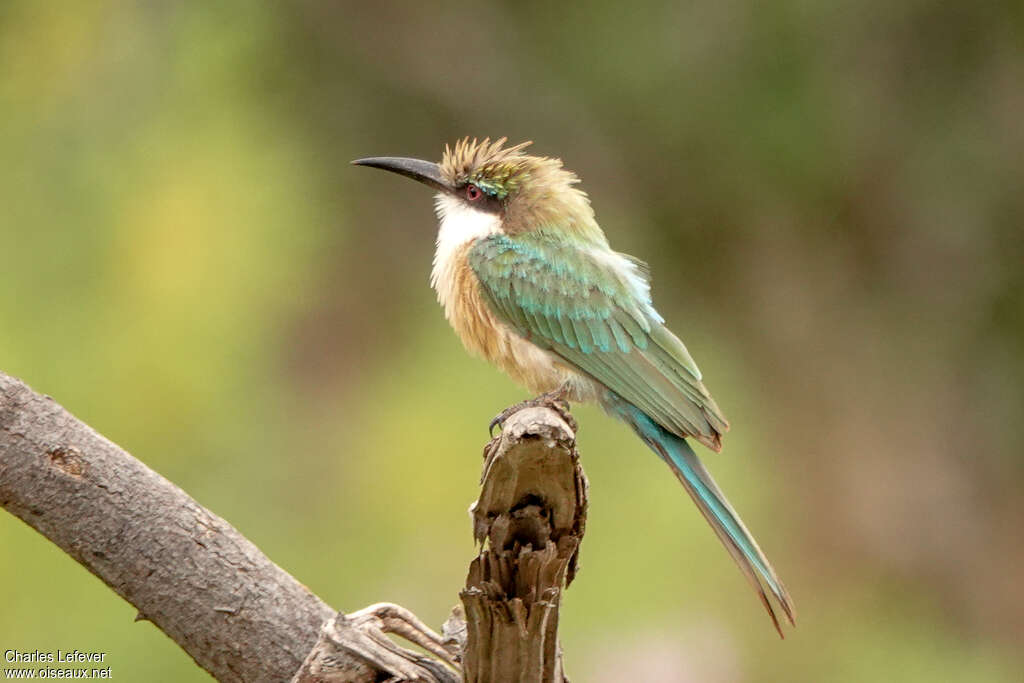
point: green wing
(592, 307)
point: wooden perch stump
(529, 521)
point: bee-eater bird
(528, 281)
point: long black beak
(427, 172)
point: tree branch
(236, 613)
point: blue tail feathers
(728, 526)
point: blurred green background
(831, 198)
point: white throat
(460, 224)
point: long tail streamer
(728, 526)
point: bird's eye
(473, 192)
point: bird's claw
(499, 420)
(551, 400)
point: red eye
(473, 193)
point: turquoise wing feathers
(592, 307)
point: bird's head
(518, 191)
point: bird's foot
(552, 399)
